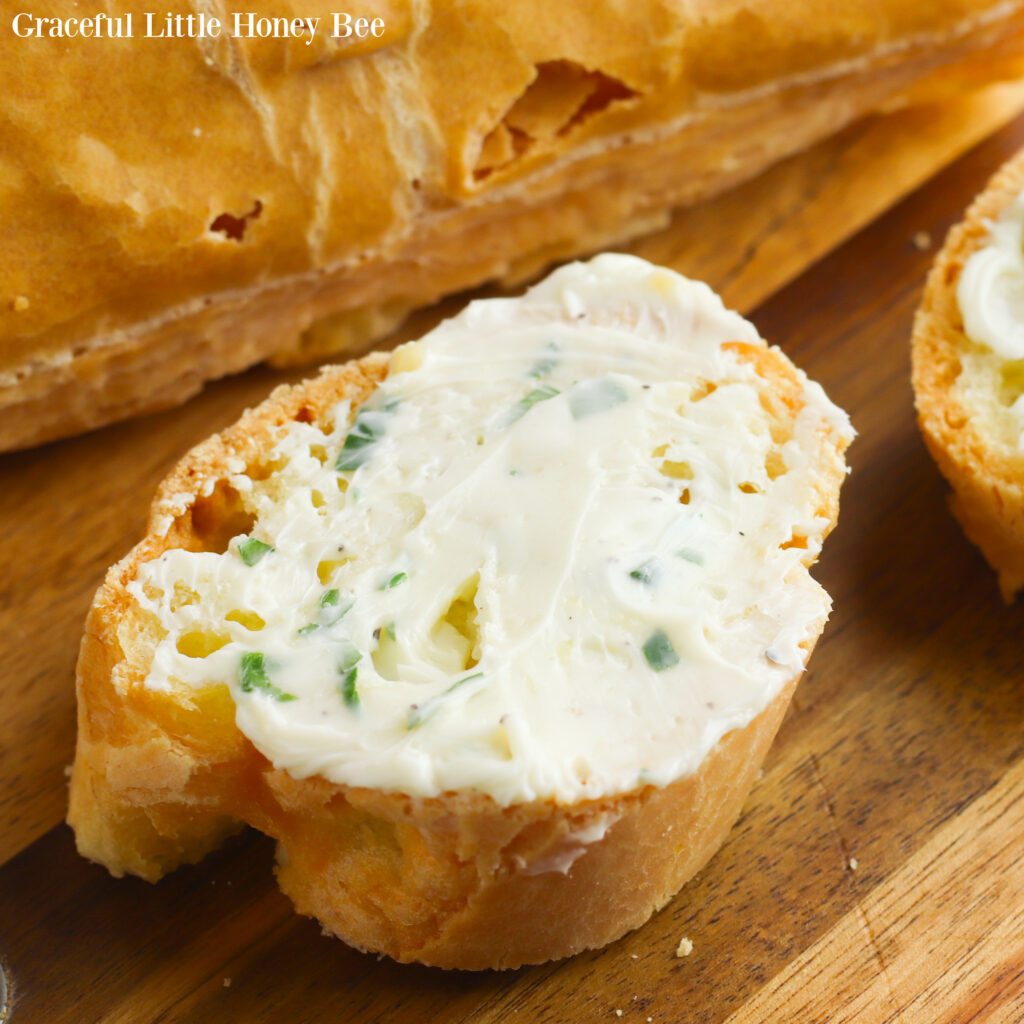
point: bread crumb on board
(20, 304)
(227, 983)
(685, 947)
(922, 241)
(854, 864)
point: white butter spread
(990, 294)
(550, 558)
(991, 287)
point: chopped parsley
(253, 676)
(369, 427)
(419, 713)
(646, 573)
(252, 550)
(525, 404)
(545, 364)
(691, 556)
(659, 652)
(331, 610)
(349, 693)
(350, 658)
(394, 581)
(594, 396)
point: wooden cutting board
(877, 873)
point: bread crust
(473, 142)
(987, 477)
(161, 778)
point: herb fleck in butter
(252, 550)
(369, 427)
(524, 405)
(594, 396)
(350, 658)
(691, 556)
(419, 713)
(545, 364)
(253, 676)
(659, 652)
(646, 573)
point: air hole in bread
(319, 452)
(319, 501)
(456, 634)
(702, 390)
(249, 619)
(1011, 382)
(232, 227)
(562, 96)
(326, 568)
(684, 498)
(676, 470)
(796, 541)
(201, 643)
(747, 487)
(219, 516)
(500, 744)
(182, 596)
(265, 470)
(305, 415)
(386, 655)
(774, 464)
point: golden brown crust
(475, 853)
(474, 141)
(161, 778)
(986, 475)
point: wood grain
(903, 750)
(749, 243)
(957, 955)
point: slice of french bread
(491, 635)
(969, 380)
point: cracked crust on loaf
(267, 200)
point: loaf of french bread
(175, 208)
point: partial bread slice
(456, 878)
(963, 393)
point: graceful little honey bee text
(168, 25)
